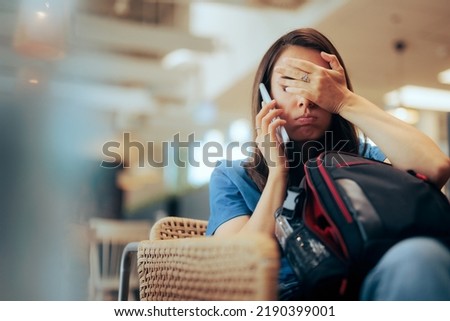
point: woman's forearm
(272, 197)
(405, 146)
(262, 220)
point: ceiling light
(444, 76)
(240, 130)
(41, 14)
(419, 98)
(40, 29)
(180, 58)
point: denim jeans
(417, 268)
(414, 269)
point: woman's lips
(303, 121)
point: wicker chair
(179, 263)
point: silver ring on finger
(305, 78)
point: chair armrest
(242, 267)
(125, 269)
(177, 227)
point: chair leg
(125, 262)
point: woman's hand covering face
(326, 87)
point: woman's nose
(304, 103)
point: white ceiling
(366, 31)
(115, 62)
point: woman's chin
(307, 133)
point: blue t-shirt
(233, 193)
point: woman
(313, 100)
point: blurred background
(118, 109)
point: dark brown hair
(341, 128)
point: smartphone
(281, 131)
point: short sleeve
(225, 198)
(371, 151)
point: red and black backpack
(346, 213)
